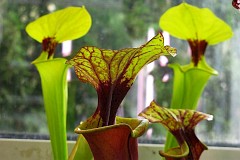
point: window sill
(22, 149)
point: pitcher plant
(112, 73)
(200, 28)
(50, 30)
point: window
(116, 25)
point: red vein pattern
(181, 123)
(112, 72)
(99, 66)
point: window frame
(28, 149)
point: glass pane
(116, 25)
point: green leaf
(53, 75)
(92, 122)
(81, 150)
(165, 116)
(191, 23)
(66, 24)
(138, 127)
(190, 118)
(42, 57)
(176, 152)
(189, 82)
(112, 72)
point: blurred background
(115, 25)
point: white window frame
(29, 149)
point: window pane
(116, 25)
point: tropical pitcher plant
(200, 28)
